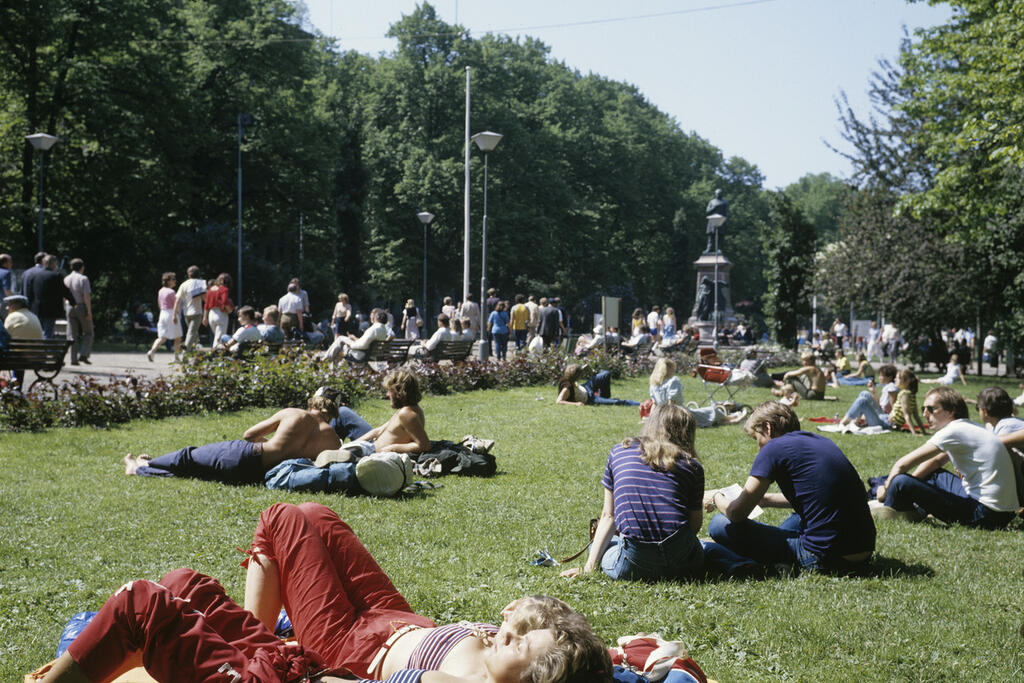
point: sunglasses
(930, 409)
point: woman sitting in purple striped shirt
(652, 511)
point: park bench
(455, 351)
(252, 348)
(641, 350)
(45, 357)
(390, 351)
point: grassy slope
(73, 528)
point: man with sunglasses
(981, 492)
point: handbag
(593, 531)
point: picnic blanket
(851, 428)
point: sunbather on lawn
(296, 433)
(404, 432)
(347, 617)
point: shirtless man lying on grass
(404, 432)
(296, 433)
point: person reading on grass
(595, 391)
(296, 433)
(347, 616)
(808, 381)
(983, 490)
(831, 528)
(404, 432)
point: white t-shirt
(442, 334)
(1008, 425)
(189, 292)
(885, 398)
(653, 321)
(952, 374)
(291, 303)
(982, 460)
(247, 333)
(989, 343)
(671, 391)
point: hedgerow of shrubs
(207, 383)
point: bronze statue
(719, 206)
(706, 298)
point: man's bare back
(297, 433)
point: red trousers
(188, 630)
(341, 603)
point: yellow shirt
(520, 316)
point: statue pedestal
(703, 320)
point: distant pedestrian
(411, 321)
(191, 301)
(550, 322)
(341, 318)
(6, 281)
(49, 293)
(80, 316)
(291, 308)
(219, 307)
(520, 319)
(168, 325)
(531, 327)
(469, 310)
(29, 275)
(497, 328)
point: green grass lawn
(945, 605)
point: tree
(787, 243)
(821, 197)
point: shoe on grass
(880, 510)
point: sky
(756, 78)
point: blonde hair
(667, 436)
(404, 386)
(568, 379)
(663, 371)
(578, 655)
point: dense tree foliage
(934, 237)
(591, 190)
(787, 247)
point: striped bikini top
(432, 650)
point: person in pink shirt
(167, 327)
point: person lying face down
(347, 615)
(289, 433)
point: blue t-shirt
(651, 505)
(6, 282)
(824, 489)
(498, 321)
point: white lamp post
(42, 142)
(715, 221)
(486, 141)
(425, 218)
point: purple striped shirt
(651, 505)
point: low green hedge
(214, 383)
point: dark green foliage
(592, 190)
(788, 244)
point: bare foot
(130, 464)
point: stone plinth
(706, 267)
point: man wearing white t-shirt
(982, 493)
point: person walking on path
(167, 326)
(191, 300)
(80, 316)
(49, 294)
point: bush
(215, 383)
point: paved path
(120, 363)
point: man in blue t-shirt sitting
(831, 527)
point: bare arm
(914, 457)
(602, 537)
(413, 424)
(563, 398)
(913, 416)
(930, 465)
(1014, 439)
(754, 492)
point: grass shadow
(890, 568)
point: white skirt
(168, 326)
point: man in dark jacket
(48, 295)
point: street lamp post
(243, 121)
(425, 218)
(42, 142)
(486, 141)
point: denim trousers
(942, 494)
(599, 390)
(763, 543)
(866, 405)
(232, 462)
(679, 556)
(349, 425)
(500, 344)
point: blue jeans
(599, 391)
(232, 462)
(500, 344)
(942, 494)
(866, 405)
(763, 543)
(48, 325)
(520, 336)
(852, 381)
(679, 556)
(348, 425)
